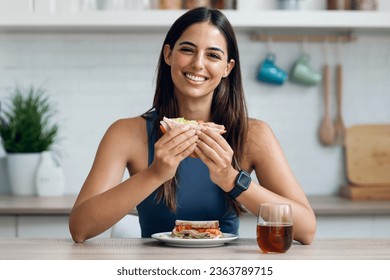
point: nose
(198, 62)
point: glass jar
(170, 4)
(191, 4)
(339, 4)
(288, 4)
(364, 5)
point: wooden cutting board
(369, 192)
(367, 152)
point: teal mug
(303, 73)
(270, 73)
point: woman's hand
(171, 149)
(217, 154)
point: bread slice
(198, 224)
(167, 124)
(196, 229)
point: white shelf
(157, 20)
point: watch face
(242, 184)
(244, 180)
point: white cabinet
(37, 226)
(36, 217)
(7, 226)
(42, 226)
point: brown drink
(274, 238)
(274, 229)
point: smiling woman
(199, 78)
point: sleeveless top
(197, 197)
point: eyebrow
(210, 48)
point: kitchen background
(95, 78)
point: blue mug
(270, 73)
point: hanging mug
(270, 73)
(303, 73)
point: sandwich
(196, 229)
(168, 124)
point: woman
(199, 78)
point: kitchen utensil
(339, 122)
(326, 131)
(270, 73)
(303, 73)
(367, 154)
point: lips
(195, 78)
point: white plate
(179, 242)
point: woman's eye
(214, 56)
(187, 50)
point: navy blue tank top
(198, 198)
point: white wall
(98, 78)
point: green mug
(303, 73)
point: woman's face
(198, 60)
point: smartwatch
(243, 180)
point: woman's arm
(263, 154)
(104, 199)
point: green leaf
(26, 124)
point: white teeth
(195, 78)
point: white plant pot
(22, 169)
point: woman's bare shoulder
(258, 128)
(134, 123)
(126, 132)
(261, 138)
(127, 127)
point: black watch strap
(241, 184)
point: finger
(210, 154)
(187, 152)
(202, 155)
(214, 140)
(173, 133)
(185, 147)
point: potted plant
(27, 130)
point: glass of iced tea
(274, 227)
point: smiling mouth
(195, 78)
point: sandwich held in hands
(168, 124)
(196, 229)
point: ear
(229, 68)
(167, 54)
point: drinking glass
(274, 230)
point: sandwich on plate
(167, 124)
(196, 229)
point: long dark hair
(228, 105)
